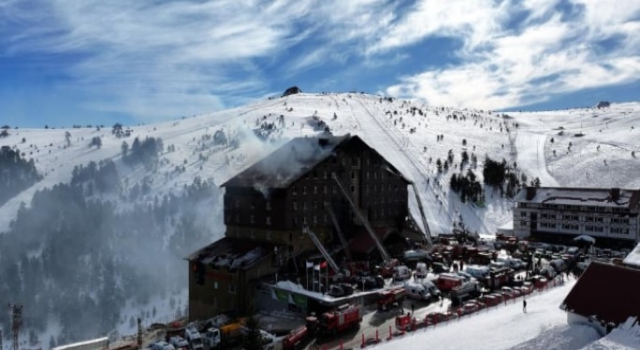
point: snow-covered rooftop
(231, 253)
(633, 259)
(601, 197)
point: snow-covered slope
(404, 132)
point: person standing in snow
(524, 305)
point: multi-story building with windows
(609, 215)
(268, 205)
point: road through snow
(531, 159)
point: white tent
(585, 238)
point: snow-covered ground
(582, 147)
(543, 327)
(408, 138)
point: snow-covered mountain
(581, 147)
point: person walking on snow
(524, 305)
(412, 308)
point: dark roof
(291, 161)
(610, 293)
(287, 163)
(232, 253)
(581, 196)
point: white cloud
(139, 54)
(156, 59)
(550, 54)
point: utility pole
(16, 324)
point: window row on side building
(561, 214)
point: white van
(421, 270)
(401, 273)
(417, 292)
(431, 288)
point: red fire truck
(341, 319)
(391, 297)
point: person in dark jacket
(524, 305)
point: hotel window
(325, 175)
(237, 218)
(232, 288)
(315, 220)
(295, 206)
(304, 205)
(523, 214)
(295, 190)
(334, 189)
(252, 220)
(620, 230)
(304, 221)
(353, 175)
(268, 205)
(237, 203)
(269, 220)
(325, 190)
(315, 205)
(295, 222)
(325, 218)
(368, 175)
(375, 174)
(315, 189)
(304, 189)
(353, 189)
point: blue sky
(66, 62)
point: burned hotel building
(267, 207)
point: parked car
(439, 267)
(467, 277)
(431, 287)
(162, 345)
(401, 273)
(559, 265)
(367, 282)
(417, 291)
(507, 292)
(477, 271)
(438, 317)
(179, 342)
(548, 272)
(468, 308)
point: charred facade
(269, 204)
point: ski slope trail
(531, 157)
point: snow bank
(543, 327)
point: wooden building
(267, 206)
(604, 297)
